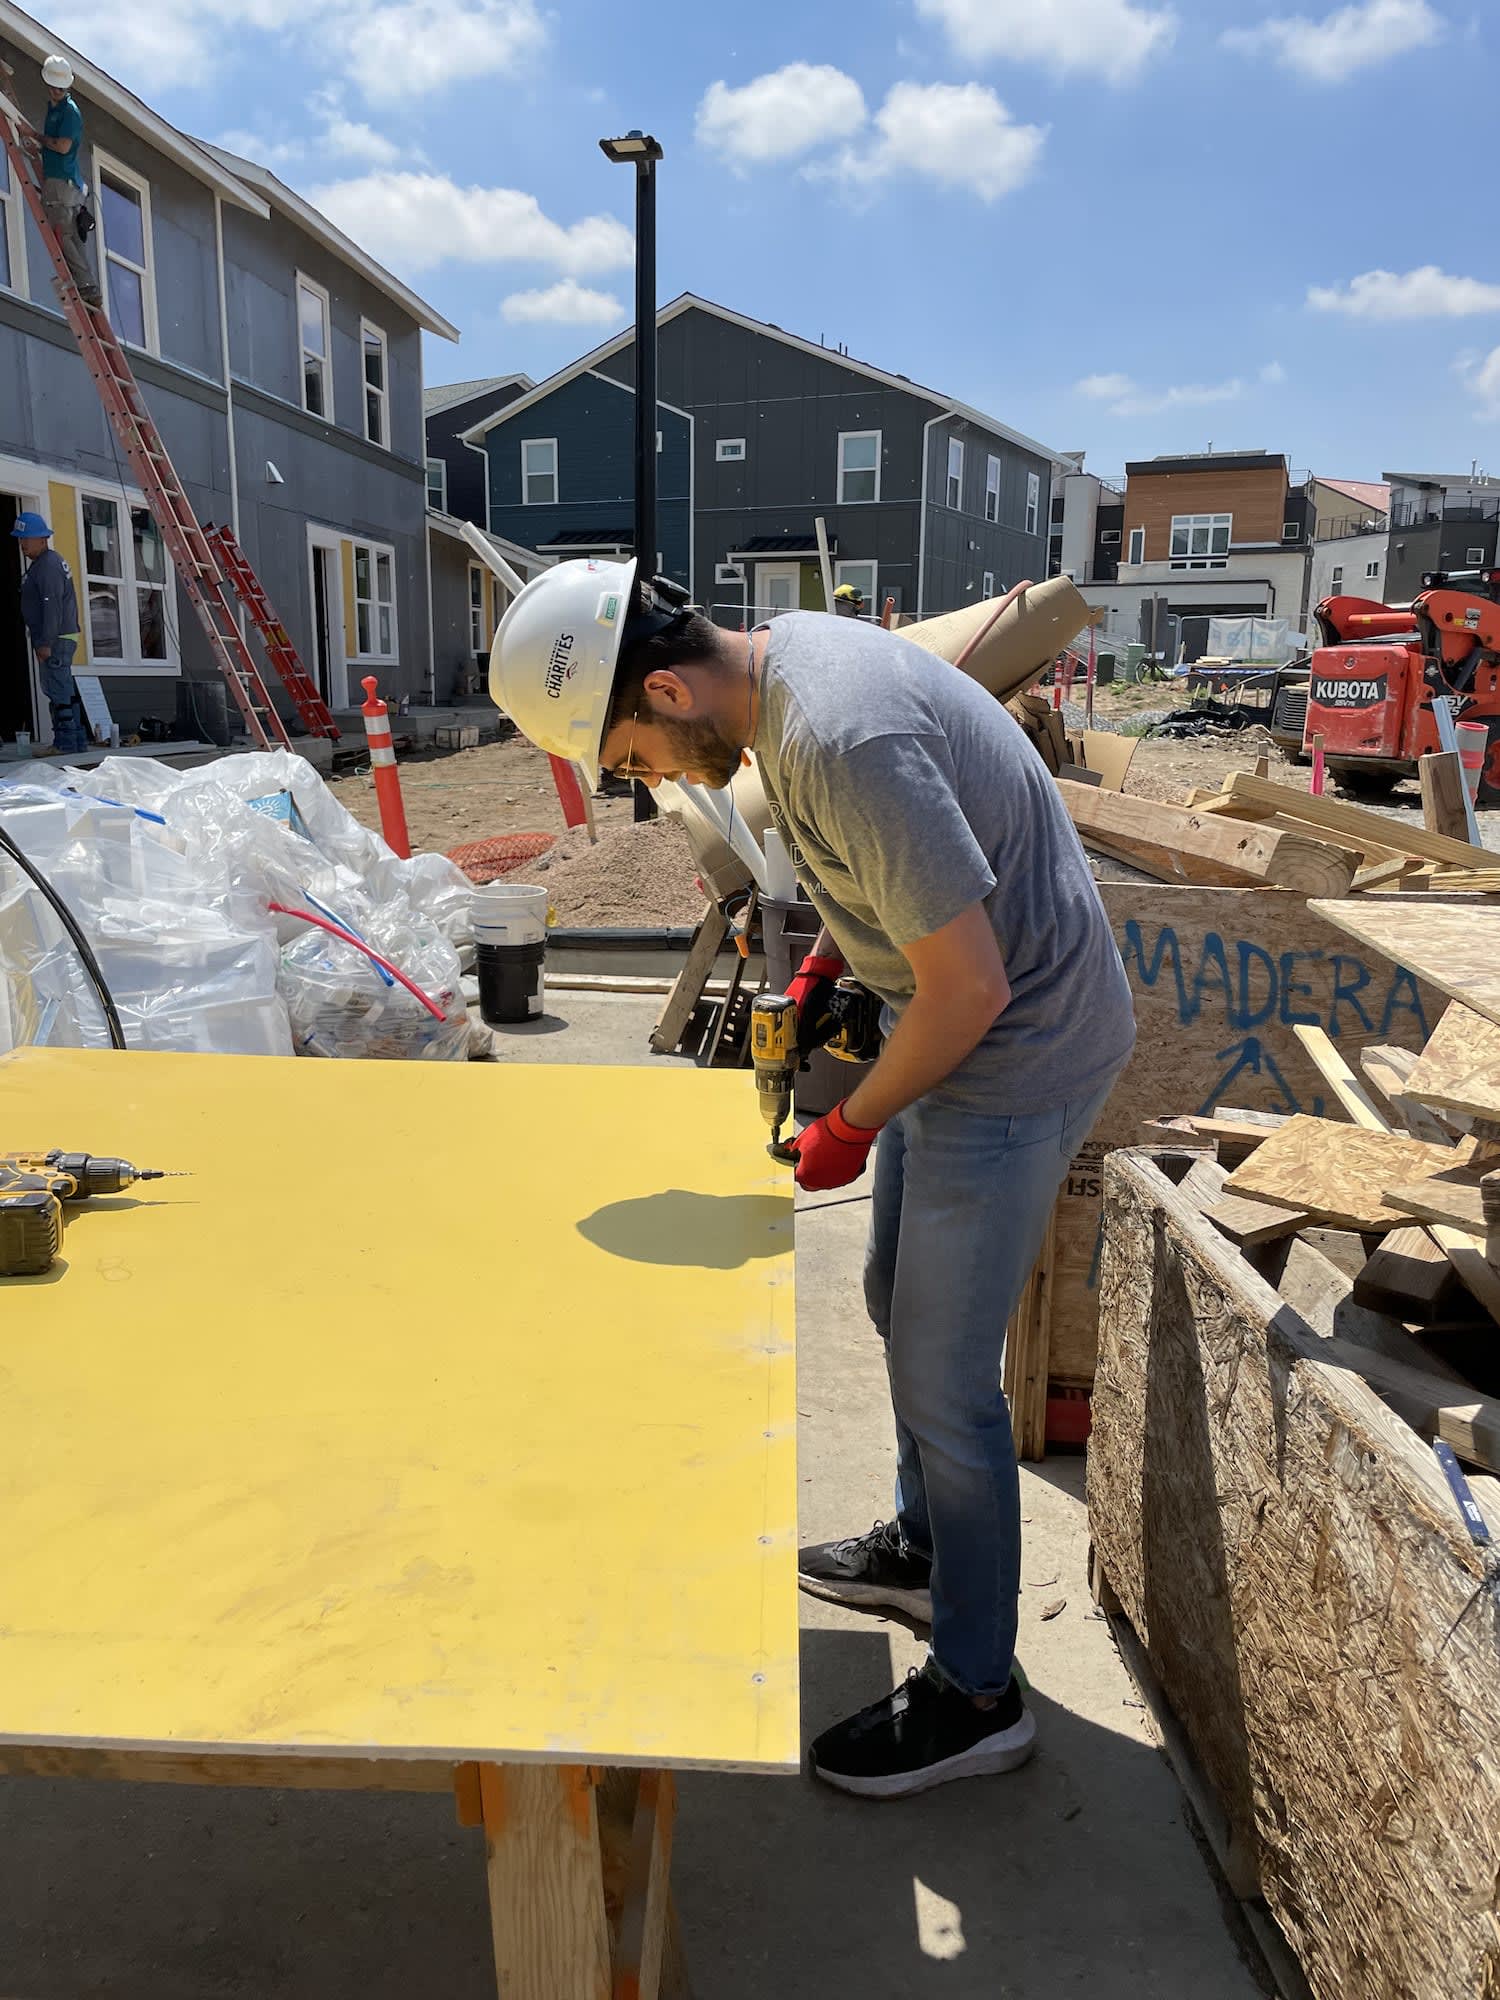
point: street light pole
(641, 151)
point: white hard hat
(57, 73)
(553, 661)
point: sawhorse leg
(579, 1877)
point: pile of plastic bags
(172, 875)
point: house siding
(466, 465)
(1255, 497)
(961, 544)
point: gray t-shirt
(906, 794)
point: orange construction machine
(1372, 682)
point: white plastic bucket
(510, 951)
(508, 913)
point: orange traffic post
(383, 770)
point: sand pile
(639, 875)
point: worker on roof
(62, 173)
(849, 601)
(49, 606)
(950, 880)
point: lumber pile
(1293, 1586)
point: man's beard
(704, 748)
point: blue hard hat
(29, 526)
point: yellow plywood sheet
(445, 1410)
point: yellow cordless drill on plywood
(33, 1190)
(849, 1028)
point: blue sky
(1125, 226)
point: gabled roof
(291, 204)
(1371, 494)
(690, 302)
(517, 556)
(93, 84)
(448, 395)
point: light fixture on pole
(641, 151)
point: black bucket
(511, 982)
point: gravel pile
(641, 876)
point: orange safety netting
(487, 860)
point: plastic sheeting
(169, 873)
(1268, 641)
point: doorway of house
(327, 624)
(778, 588)
(17, 710)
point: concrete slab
(1078, 1874)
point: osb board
(1458, 951)
(1294, 1566)
(1339, 1173)
(1460, 1067)
(1220, 979)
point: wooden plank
(1337, 1074)
(1323, 1294)
(547, 1914)
(713, 928)
(1233, 1137)
(186, 1767)
(1111, 755)
(1337, 1172)
(1338, 817)
(1284, 1548)
(1455, 1198)
(1250, 1222)
(1465, 881)
(1156, 863)
(1456, 948)
(1444, 795)
(1237, 852)
(1027, 1365)
(1459, 1069)
(1386, 874)
(642, 1933)
(1386, 1070)
(1408, 1276)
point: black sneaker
(867, 1571)
(926, 1733)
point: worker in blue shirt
(62, 176)
(49, 606)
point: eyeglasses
(628, 768)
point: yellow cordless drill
(33, 1190)
(849, 1028)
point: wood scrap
(1462, 1198)
(1338, 1173)
(1386, 1070)
(1392, 835)
(1385, 874)
(1444, 794)
(1233, 1134)
(1214, 852)
(1455, 947)
(1409, 1277)
(1324, 1296)
(1459, 1070)
(1111, 755)
(1251, 1222)
(1337, 1074)
(1465, 881)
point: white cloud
(330, 132)
(1480, 375)
(1426, 293)
(272, 153)
(1352, 38)
(351, 139)
(393, 49)
(413, 221)
(1273, 375)
(959, 135)
(1126, 398)
(566, 303)
(1114, 39)
(777, 116)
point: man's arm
(961, 990)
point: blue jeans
(960, 1209)
(69, 726)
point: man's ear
(669, 693)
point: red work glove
(812, 989)
(831, 1152)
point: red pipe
(358, 944)
(383, 769)
(569, 791)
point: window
(1372, 569)
(124, 216)
(317, 365)
(437, 484)
(992, 489)
(476, 608)
(955, 473)
(729, 449)
(1291, 531)
(864, 576)
(1200, 541)
(374, 601)
(1474, 556)
(12, 242)
(499, 602)
(126, 584)
(1137, 545)
(1338, 581)
(859, 466)
(1033, 501)
(987, 581)
(1109, 538)
(539, 472)
(377, 415)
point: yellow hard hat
(854, 594)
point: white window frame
(846, 438)
(104, 164)
(955, 478)
(374, 601)
(527, 477)
(1336, 582)
(366, 328)
(1109, 538)
(13, 224)
(1291, 531)
(1033, 503)
(1137, 546)
(476, 609)
(324, 416)
(1473, 558)
(872, 595)
(1210, 527)
(992, 488)
(1372, 569)
(987, 584)
(441, 464)
(125, 499)
(730, 451)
